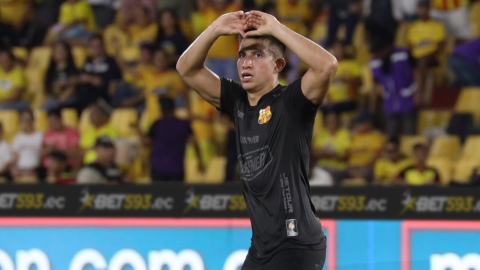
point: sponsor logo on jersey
(292, 229)
(265, 115)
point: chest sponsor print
(254, 162)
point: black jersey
(273, 140)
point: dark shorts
(289, 259)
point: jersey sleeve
(231, 91)
(298, 105)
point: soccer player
(274, 126)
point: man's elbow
(180, 67)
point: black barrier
(178, 200)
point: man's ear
(280, 64)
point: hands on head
(238, 22)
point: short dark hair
(58, 155)
(148, 46)
(28, 111)
(55, 112)
(274, 42)
(420, 146)
(167, 105)
(97, 37)
(394, 140)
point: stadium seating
(40, 58)
(11, 124)
(463, 169)
(215, 172)
(84, 121)
(41, 122)
(121, 119)
(444, 167)
(432, 118)
(407, 143)
(447, 147)
(20, 53)
(468, 102)
(35, 91)
(70, 117)
(471, 148)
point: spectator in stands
(6, 157)
(222, 57)
(454, 15)
(59, 172)
(330, 145)
(170, 36)
(103, 170)
(76, 22)
(427, 39)
(100, 119)
(100, 76)
(168, 137)
(61, 78)
(26, 149)
(60, 138)
(391, 163)
(16, 19)
(296, 15)
(117, 35)
(365, 148)
(465, 63)
(143, 29)
(128, 8)
(345, 12)
(130, 91)
(419, 173)
(392, 70)
(341, 96)
(380, 23)
(162, 82)
(12, 82)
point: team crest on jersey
(265, 115)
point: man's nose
(247, 62)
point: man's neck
(255, 96)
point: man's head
(7, 59)
(97, 48)
(423, 10)
(168, 107)
(420, 154)
(332, 120)
(363, 122)
(58, 162)
(160, 60)
(54, 118)
(392, 150)
(105, 149)
(146, 53)
(100, 113)
(27, 120)
(260, 60)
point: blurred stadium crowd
(89, 92)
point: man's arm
(323, 65)
(191, 66)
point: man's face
(391, 151)
(256, 63)
(96, 48)
(97, 116)
(54, 122)
(363, 127)
(160, 60)
(105, 154)
(420, 155)
(423, 12)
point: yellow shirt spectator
(158, 84)
(448, 4)
(199, 107)
(340, 91)
(146, 34)
(71, 11)
(294, 16)
(416, 177)
(90, 135)
(113, 32)
(11, 11)
(226, 46)
(9, 81)
(364, 146)
(386, 170)
(339, 142)
(424, 37)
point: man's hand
(263, 23)
(231, 24)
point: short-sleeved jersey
(273, 141)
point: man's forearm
(194, 57)
(308, 51)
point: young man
(419, 173)
(274, 126)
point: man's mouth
(246, 76)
